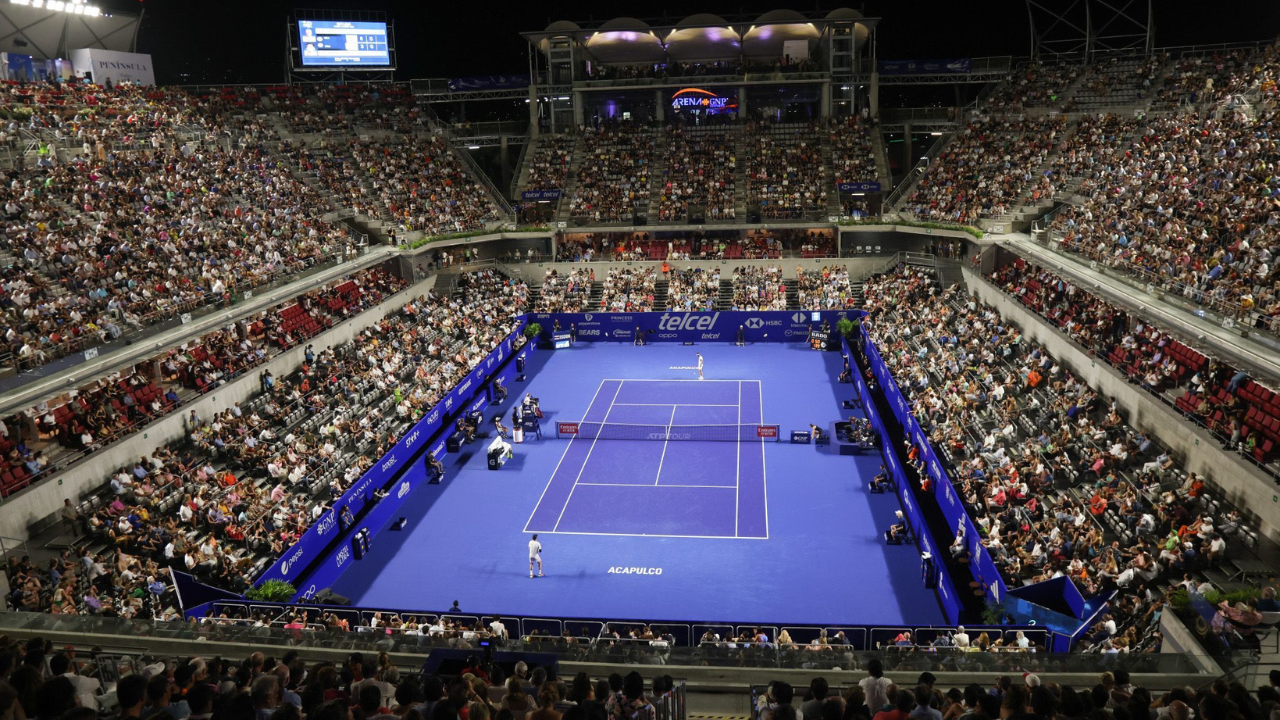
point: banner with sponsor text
(680, 326)
(309, 548)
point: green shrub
(272, 591)
(532, 331)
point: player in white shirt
(699, 366)
(535, 555)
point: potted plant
(272, 591)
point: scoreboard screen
(331, 43)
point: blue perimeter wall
(320, 556)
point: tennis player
(699, 366)
(535, 555)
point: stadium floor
(750, 532)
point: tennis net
(700, 433)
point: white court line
(737, 458)
(764, 475)
(588, 458)
(670, 380)
(562, 457)
(670, 404)
(665, 442)
(720, 487)
(654, 535)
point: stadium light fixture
(72, 7)
(473, 147)
(936, 134)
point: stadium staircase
(597, 294)
(883, 174)
(793, 296)
(725, 299)
(571, 184)
(660, 290)
(657, 176)
(739, 176)
(898, 198)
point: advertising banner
(761, 326)
(983, 567)
(540, 194)
(488, 82)
(322, 532)
(925, 67)
(910, 510)
(858, 187)
(115, 66)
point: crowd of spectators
(1182, 207)
(629, 289)
(415, 182)
(699, 174)
(1053, 478)
(42, 683)
(102, 247)
(245, 483)
(757, 287)
(549, 166)
(1220, 398)
(852, 154)
(613, 174)
(674, 69)
(825, 289)
(565, 293)
(36, 441)
(1034, 85)
(693, 289)
(785, 171)
(986, 169)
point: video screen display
(332, 42)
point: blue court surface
(672, 527)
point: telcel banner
(313, 542)
(764, 326)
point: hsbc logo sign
(754, 323)
(687, 321)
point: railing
(1225, 311)
(541, 636)
(917, 172)
(934, 114)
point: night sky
(243, 40)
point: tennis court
(693, 450)
(732, 528)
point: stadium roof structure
(702, 36)
(50, 34)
